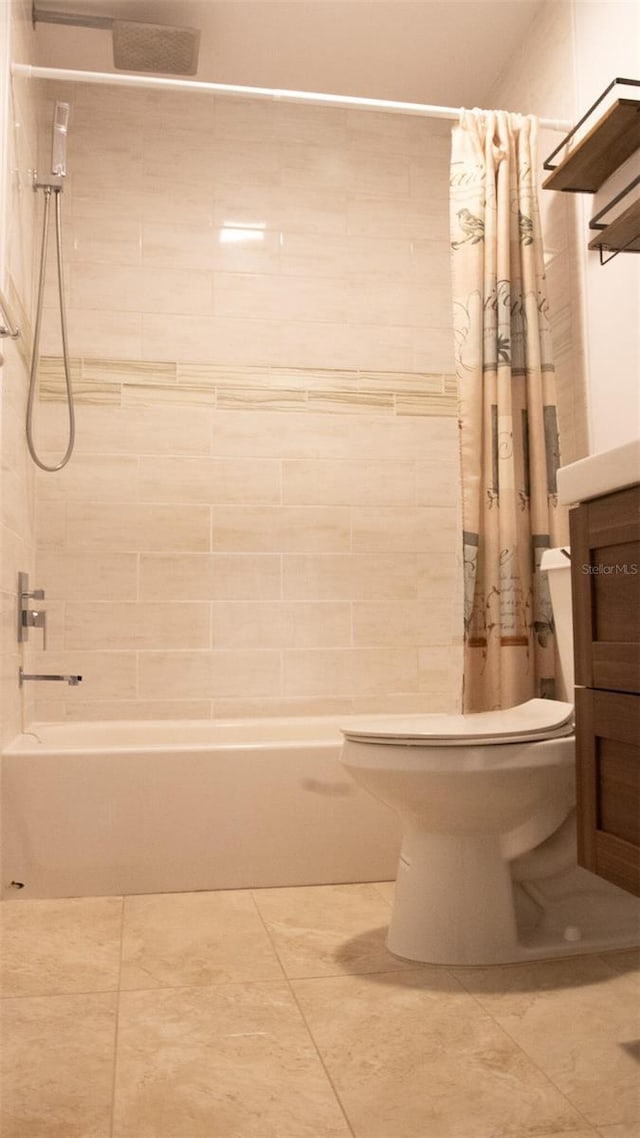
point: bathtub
(145, 807)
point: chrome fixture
(29, 617)
(8, 326)
(59, 140)
(72, 680)
(50, 186)
(136, 46)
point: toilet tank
(557, 565)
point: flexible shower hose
(48, 190)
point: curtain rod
(154, 83)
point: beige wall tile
(116, 241)
(355, 482)
(207, 675)
(239, 624)
(241, 708)
(362, 671)
(293, 209)
(82, 711)
(102, 526)
(248, 434)
(312, 167)
(375, 576)
(250, 119)
(333, 345)
(437, 480)
(198, 339)
(51, 525)
(398, 217)
(131, 625)
(94, 478)
(340, 255)
(390, 438)
(274, 529)
(420, 529)
(260, 297)
(131, 431)
(209, 577)
(87, 576)
(215, 480)
(139, 289)
(400, 622)
(95, 331)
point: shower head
(155, 47)
(59, 140)
(137, 46)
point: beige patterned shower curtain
(508, 422)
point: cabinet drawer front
(605, 578)
(608, 785)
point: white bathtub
(144, 807)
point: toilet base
(455, 903)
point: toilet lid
(536, 719)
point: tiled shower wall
(17, 500)
(261, 514)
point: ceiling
(435, 51)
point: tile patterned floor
(278, 1013)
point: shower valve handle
(36, 618)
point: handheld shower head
(59, 140)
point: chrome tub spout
(72, 680)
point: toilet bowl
(479, 796)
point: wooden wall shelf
(621, 234)
(612, 139)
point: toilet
(487, 871)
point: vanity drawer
(608, 785)
(605, 580)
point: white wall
(607, 39)
(540, 80)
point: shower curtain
(507, 408)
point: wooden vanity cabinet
(605, 581)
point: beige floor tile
(233, 1061)
(58, 1058)
(411, 1055)
(327, 929)
(624, 1130)
(53, 947)
(588, 1132)
(626, 962)
(175, 940)
(580, 1023)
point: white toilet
(487, 869)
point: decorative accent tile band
(124, 383)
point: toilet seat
(534, 720)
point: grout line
(117, 1023)
(304, 1020)
(544, 1074)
